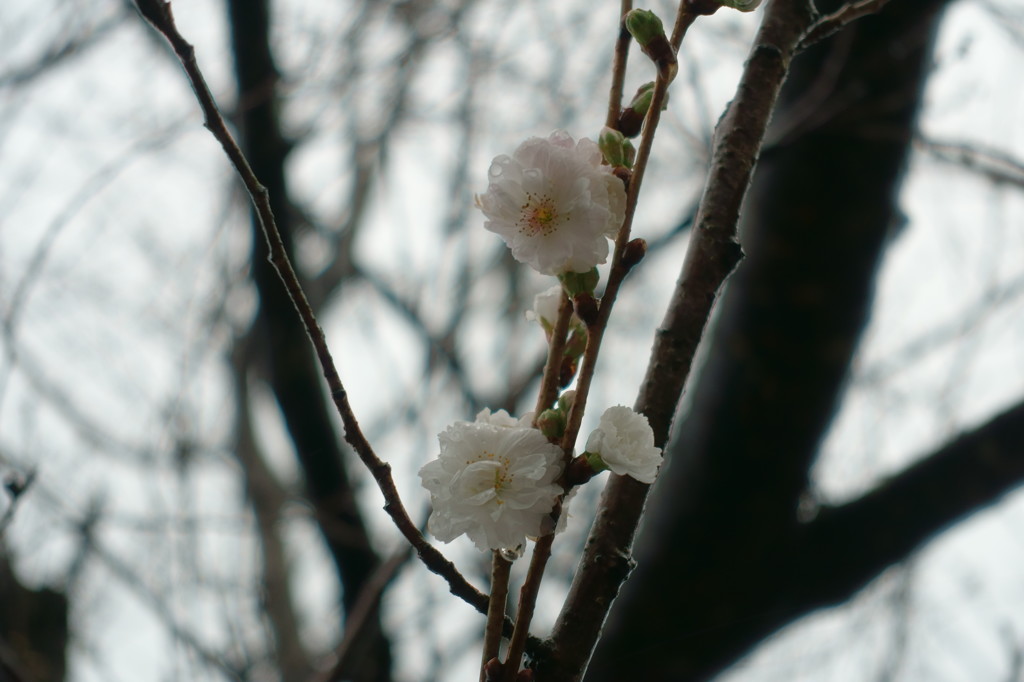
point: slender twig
(711, 257)
(158, 13)
(556, 350)
(618, 269)
(542, 548)
(619, 60)
(996, 165)
(500, 570)
(528, 603)
(834, 22)
(684, 19)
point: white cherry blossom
(493, 481)
(554, 203)
(625, 443)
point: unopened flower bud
(630, 151)
(613, 146)
(633, 253)
(642, 98)
(632, 117)
(551, 423)
(566, 400)
(630, 122)
(586, 307)
(645, 26)
(577, 341)
(649, 32)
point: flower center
(538, 216)
(502, 476)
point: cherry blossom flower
(545, 307)
(624, 442)
(554, 203)
(493, 481)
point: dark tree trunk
(281, 342)
(723, 559)
(33, 630)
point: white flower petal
(493, 481)
(625, 442)
(554, 203)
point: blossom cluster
(498, 479)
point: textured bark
(294, 375)
(724, 561)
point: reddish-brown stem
(158, 13)
(500, 569)
(527, 603)
(618, 270)
(619, 59)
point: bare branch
(993, 164)
(836, 21)
(712, 256)
(159, 14)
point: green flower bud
(612, 144)
(645, 26)
(630, 151)
(566, 400)
(576, 344)
(632, 117)
(649, 32)
(551, 423)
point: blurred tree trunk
(279, 343)
(33, 630)
(725, 558)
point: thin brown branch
(159, 15)
(619, 269)
(711, 258)
(831, 24)
(619, 59)
(500, 570)
(527, 604)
